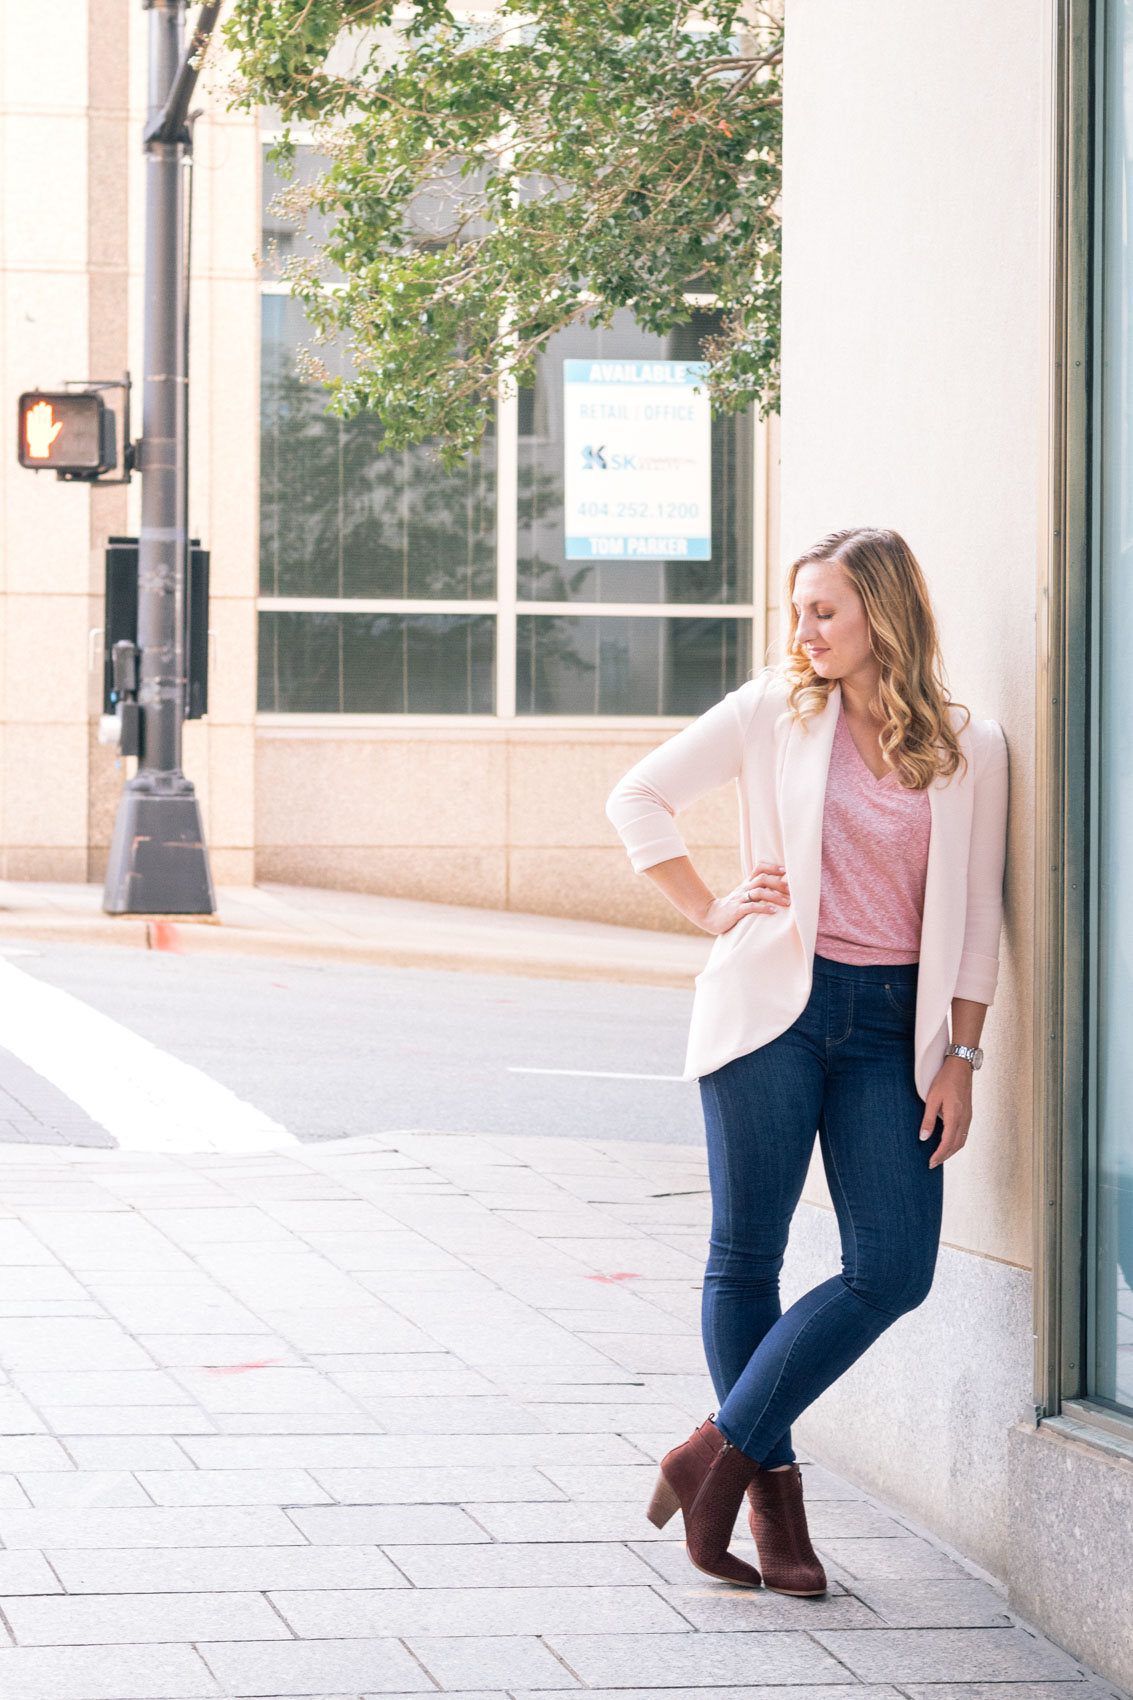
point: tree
(491, 180)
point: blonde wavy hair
(918, 738)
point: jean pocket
(902, 1000)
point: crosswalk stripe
(145, 1098)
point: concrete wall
(914, 339)
(498, 817)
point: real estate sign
(638, 445)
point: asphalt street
(338, 1050)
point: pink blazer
(758, 976)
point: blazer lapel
(945, 902)
(802, 794)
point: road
(332, 1051)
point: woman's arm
(703, 757)
(950, 1095)
(762, 894)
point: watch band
(971, 1054)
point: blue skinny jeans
(845, 1068)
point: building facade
(417, 688)
(958, 291)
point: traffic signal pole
(158, 860)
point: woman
(846, 992)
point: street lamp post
(158, 859)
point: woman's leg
(760, 1115)
(888, 1204)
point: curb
(188, 938)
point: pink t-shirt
(874, 859)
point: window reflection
(602, 664)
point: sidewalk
(304, 923)
(380, 1417)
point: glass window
(1110, 1178)
(318, 663)
(342, 516)
(628, 664)
(369, 557)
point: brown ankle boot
(778, 1522)
(705, 1480)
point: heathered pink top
(874, 859)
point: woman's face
(832, 626)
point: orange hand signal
(41, 429)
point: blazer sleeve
(979, 963)
(705, 755)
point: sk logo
(594, 460)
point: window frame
(1065, 912)
(506, 606)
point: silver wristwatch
(970, 1053)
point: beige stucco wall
(914, 290)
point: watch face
(977, 1058)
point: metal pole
(158, 860)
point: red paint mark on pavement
(619, 1275)
(239, 1369)
(163, 936)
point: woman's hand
(762, 893)
(950, 1098)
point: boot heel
(663, 1504)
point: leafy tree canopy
(492, 178)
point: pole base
(158, 861)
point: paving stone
(668, 1354)
(41, 1281)
(218, 1225)
(856, 1519)
(20, 1452)
(264, 1388)
(440, 1415)
(19, 1247)
(564, 1521)
(478, 1611)
(798, 1691)
(946, 1655)
(507, 1661)
(43, 1343)
(634, 1482)
(50, 1489)
(434, 1484)
(279, 1670)
(17, 1415)
(153, 1526)
(133, 1619)
(906, 1558)
(213, 1570)
(104, 1673)
(613, 1417)
(411, 1385)
(418, 1451)
(128, 1419)
(106, 1239)
(343, 1330)
(296, 1422)
(708, 1605)
(940, 1604)
(1087, 1689)
(386, 1525)
(100, 1387)
(232, 1487)
(684, 1661)
(395, 1248)
(216, 1352)
(27, 1573)
(521, 1566)
(126, 1452)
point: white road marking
(596, 1074)
(145, 1098)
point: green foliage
(492, 180)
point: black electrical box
(121, 620)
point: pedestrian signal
(70, 432)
